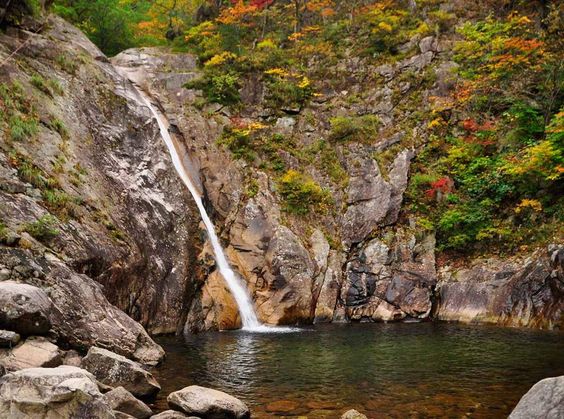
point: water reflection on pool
(384, 370)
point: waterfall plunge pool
(391, 370)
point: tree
(108, 23)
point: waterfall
(244, 303)
(235, 284)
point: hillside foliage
(490, 169)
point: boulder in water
(123, 401)
(208, 403)
(116, 370)
(544, 400)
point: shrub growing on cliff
(59, 126)
(286, 90)
(239, 142)
(68, 64)
(218, 88)
(43, 229)
(22, 127)
(301, 194)
(356, 128)
(3, 231)
(40, 83)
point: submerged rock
(282, 406)
(353, 414)
(116, 370)
(121, 400)
(63, 392)
(24, 308)
(544, 400)
(208, 403)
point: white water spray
(238, 290)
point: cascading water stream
(242, 298)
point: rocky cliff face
(90, 207)
(356, 264)
(126, 233)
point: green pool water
(384, 370)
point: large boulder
(544, 400)
(24, 308)
(116, 370)
(288, 279)
(86, 318)
(34, 352)
(50, 393)
(208, 403)
(80, 315)
(123, 401)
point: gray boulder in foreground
(116, 370)
(35, 352)
(544, 400)
(49, 393)
(24, 308)
(208, 403)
